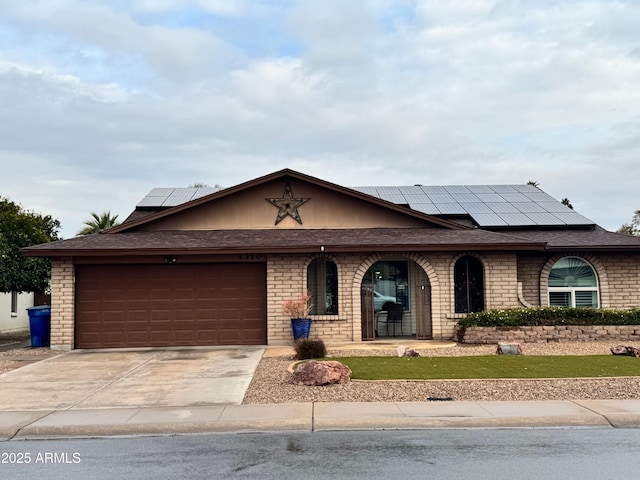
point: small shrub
(550, 316)
(306, 349)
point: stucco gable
(284, 200)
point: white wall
(10, 322)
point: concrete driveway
(94, 379)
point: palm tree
(99, 223)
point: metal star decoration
(287, 205)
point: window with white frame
(573, 283)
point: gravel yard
(272, 380)
(13, 358)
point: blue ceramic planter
(301, 328)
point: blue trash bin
(40, 325)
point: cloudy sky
(102, 100)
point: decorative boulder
(316, 373)
(509, 349)
(407, 352)
(624, 350)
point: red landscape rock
(316, 373)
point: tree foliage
(21, 228)
(97, 223)
(565, 201)
(632, 228)
(204, 185)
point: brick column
(62, 304)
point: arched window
(469, 285)
(322, 285)
(573, 283)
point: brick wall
(571, 333)
(618, 274)
(501, 280)
(62, 304)
(618, 277)
(529, 270)
(623, 280)
(287, 279)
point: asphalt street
(444, 454)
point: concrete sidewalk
(200, 390)
(315, 417)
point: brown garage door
(167, 305)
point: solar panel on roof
(529, 207)
(428, 208)
(488, 205)
(179, 196)
(438, 198)
(161, 192)
(541, 219)
(479, 189)
(572, 218)
(184, 192)
(457, 189)
(466, 198)
(502, 188)
(503, 208)
(515, 219)
(204, 191)
(156, 197)
(367, 190)
(540, 197)
(382, 190)
(450, 209)
(489, 220)
(525, 188)
(416, 198)
(490, 197)
(514, 197)
(411, 190)
(150, 202)
(393, 197)
(433, 189)
(476, 207)
(554, 207)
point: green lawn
(494, 366)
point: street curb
(318, 417)
(170, 420)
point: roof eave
(595, 248)
(277, 249)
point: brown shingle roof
(280, 240)
(584, 239)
